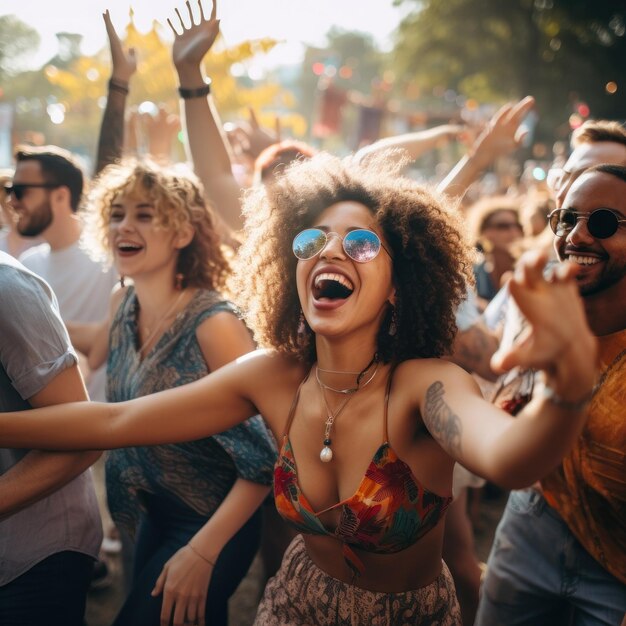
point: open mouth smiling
(581, 259)
(126, 247)
(331, 286)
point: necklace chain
(331, 417)
(359, 375)
(342, 372)
(326, 453)
(348, 390)
(167, 313)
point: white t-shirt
(83, 289)
(24, 244)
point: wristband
(115, 85)
(569, 405)
(196, 92)
(201, 556)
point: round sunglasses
(601, 223)
(361, 245)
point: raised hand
(161, 130)
(259, 138)
(184, 583)
(195, 40)
(502, 135)
(124, 62)
(557, 339)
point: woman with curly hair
(350, 276)
(192, 506)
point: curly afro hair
(432, 263)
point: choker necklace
(359, 376)
(342, 372)
(326, 454)
(348, 390)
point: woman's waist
(405, 570)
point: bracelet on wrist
(195, 92)
(570, 405)
(119, 86)
(211, 563)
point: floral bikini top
(389, 512)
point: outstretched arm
(501, 137)
(124, 64)
(39, 474)
(208, 406)
(412, 144)
(517, 452)
(207, 145)
(185, 578)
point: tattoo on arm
(443, 424)
(111, 139)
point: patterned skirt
(301, 594)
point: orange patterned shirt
(588, 489)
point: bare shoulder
(443, 395)
(417, 376)
(267, 363)
(272, 380)
(262, 370)
(419, 371)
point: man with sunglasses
(559, 555)
(46, 195)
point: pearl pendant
(326, 455)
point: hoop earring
(178, 281)
(122, 285)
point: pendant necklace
(167, 313)
(326, 454)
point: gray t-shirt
(34, 348)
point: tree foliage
(155, 80)
(561, 51)
(78, 85)
(17, 39)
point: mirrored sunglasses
(360, 245)
(19, 189)
(601, 223)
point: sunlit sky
(293, 22)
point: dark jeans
(51, 593)
(164, 529)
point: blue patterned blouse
(198, 473)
